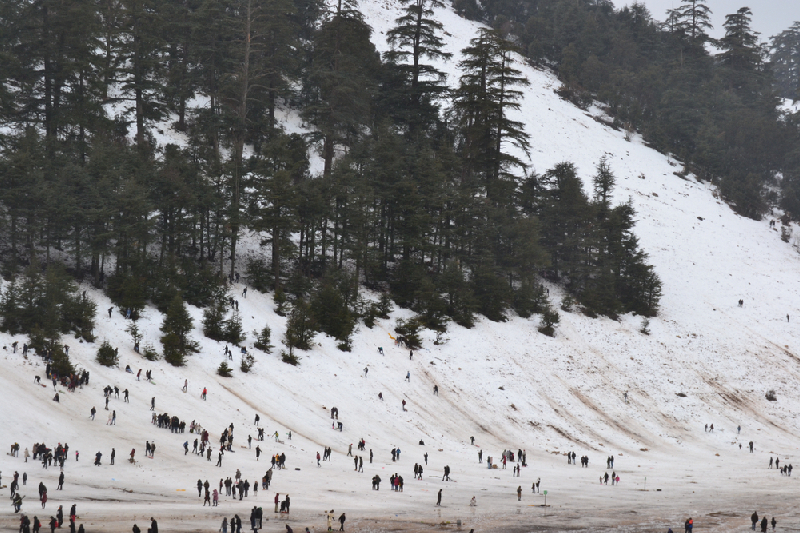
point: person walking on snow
(408, 376)
(439, 498)
(519, 493)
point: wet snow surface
(502, 383)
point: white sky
(770, 17)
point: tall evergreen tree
(486, 94)
(141, 70)
(785, 61)
(693, 19)
(272, 203)
(415, 38)
(176, 328)
(341, 79)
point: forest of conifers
(424, 194)
(711, 102)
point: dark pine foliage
(419, 198)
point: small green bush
(549, 319)
(150, 353)
(263, 340)
(247, 363)
(290, 359)
(106, 355)
(224, 370)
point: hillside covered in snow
(640, 390)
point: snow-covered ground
(502, 383)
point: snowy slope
(504, 384)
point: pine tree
(341, 79)
(140, 66)
(273, 200)
(565, 212)
(482, 101)
(176, 328)
(740, 44)
(603, 183)
(233, 329)
(693, 19)
(785, 61)
(214, 320)
(300, 328)
(331, 313)
(180, 44)
(414, 39)
(741, 53)
(262, 341)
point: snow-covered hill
(502, 383)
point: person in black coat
(153, 526)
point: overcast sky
(770, 17)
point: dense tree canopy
(424, 192)
(716, 112)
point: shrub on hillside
(224, 370)
(149, 352)
(549, 319)
(247, 362)
(290, 359)
(263, 340)
(106, 355)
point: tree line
(424, 194)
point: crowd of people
(237, 486)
